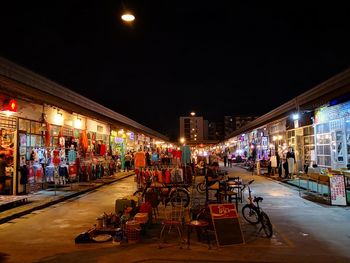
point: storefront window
(347, 127)
(323, 142)
(30, 136)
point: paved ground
(305, 231)
(53, 196)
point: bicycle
(166, 193)
(254, 214)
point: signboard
(226, 224)
(338, 192)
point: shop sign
(226, 224)
(338, 192)
(118, 140)
(325, 114)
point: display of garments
(41, 155)
(38, 173)
(61, 141)
(140, 159)
(72, 156)
(84, 140)
(155, 157)
(31, 175)
(56, 157)
(63, 171)
(186, 154)
(103, 149)
(49, 172)
(160, 176)
(167, 176)
(72, 171)
(177, 153)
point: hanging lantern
(9, 105)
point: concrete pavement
(45, 198)
(304, 231)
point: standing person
(291, 161)
(132, 160)
(229, 159)
(127, 161)
(225, 158)
(148, 158)
(3, 165)
(279, 163)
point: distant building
(192, 128)
(216, 131)
(232, 123)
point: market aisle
(305, 232)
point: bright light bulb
(128, 17)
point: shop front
(8, 135)
(277, 138)
(332, 131)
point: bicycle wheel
(266, 224)
(250, 214)
(201, 188)
(180, 196)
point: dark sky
(215, 57)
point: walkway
(52, 196)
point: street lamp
(182, 140)
(127, 17)
(193, 113)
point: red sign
(222, 211)
(10, 105)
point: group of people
(284, 164)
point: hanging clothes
(167, 176)
(103, 149)
(72, 156)
(84, 140)
(140, 159)
(186, 154)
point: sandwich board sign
(226, 224)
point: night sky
(214, 57)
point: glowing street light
(128, 17)
(193, 113)
(182, 140)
